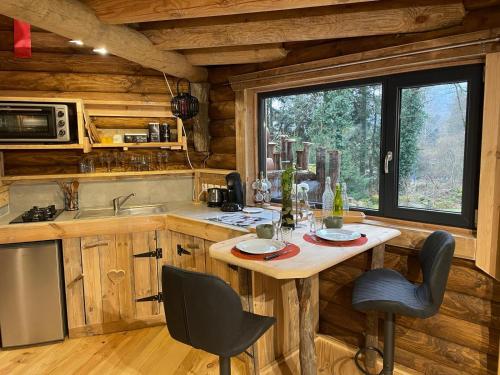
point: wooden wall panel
(56, 70)
(462, 338)
(222, 127)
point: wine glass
(108, 158)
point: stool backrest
(199, 308)
(435, 260)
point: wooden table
(311, 260)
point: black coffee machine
(234, 200)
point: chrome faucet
(118, 202)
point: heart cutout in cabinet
(116, 276)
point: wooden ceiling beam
(308, 24)
(131, 11)
(235, 55)
(75, 20)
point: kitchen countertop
(66, 226)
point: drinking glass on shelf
(162, 157)
(122, 160)
(86, 165)
(116, 158)
(108, 159)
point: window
(406, 145)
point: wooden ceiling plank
(319, 23)
(75, 20)
(130, 11)
(235, 55)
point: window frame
(473, 76)
(261, 140)
(389, 138)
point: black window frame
(389, 138)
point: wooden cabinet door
(100, 291)
(115, 278)
(225, 271)
(138, 260)
(188, 252)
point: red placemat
(291, 249)
(319, 241)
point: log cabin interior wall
(120, 96)
(464, 337)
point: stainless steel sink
(96, 213)
(143, 210)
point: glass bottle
(337, 202)
(287, 219)
(345, 198)
(327, 198)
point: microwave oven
(35, 122)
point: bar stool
(206, 313)
(386, 290)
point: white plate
(332, 234)
(260, 246)
(252, 210)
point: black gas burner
(37, 214)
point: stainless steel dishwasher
(32, 307)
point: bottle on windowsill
(327, 199)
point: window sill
(413, 235)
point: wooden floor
(146, 351)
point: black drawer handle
(181, 250)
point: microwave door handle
(21, 109)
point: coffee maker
(234, 200)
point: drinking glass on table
(276, 221)
(315, 222)
(286, 234)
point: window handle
(388, 158)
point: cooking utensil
(260, 246)
(278, 254)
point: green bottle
(338, 205)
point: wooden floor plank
(145, 351)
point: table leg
(372, 317)
(307, 349)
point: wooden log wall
(480, 15)
(463, 338)
(222, 127)
(120, 96)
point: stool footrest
(357, 360)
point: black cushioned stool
(204, 312)
(386, 290)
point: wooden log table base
(303, 268)
(307, 349)
(371, 339)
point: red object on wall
(22, 39)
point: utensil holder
(71, 201)
(70, 193)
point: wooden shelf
(139, 145)
(108, 175)
(42, 147)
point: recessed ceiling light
(101, 51)
(76, 42)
